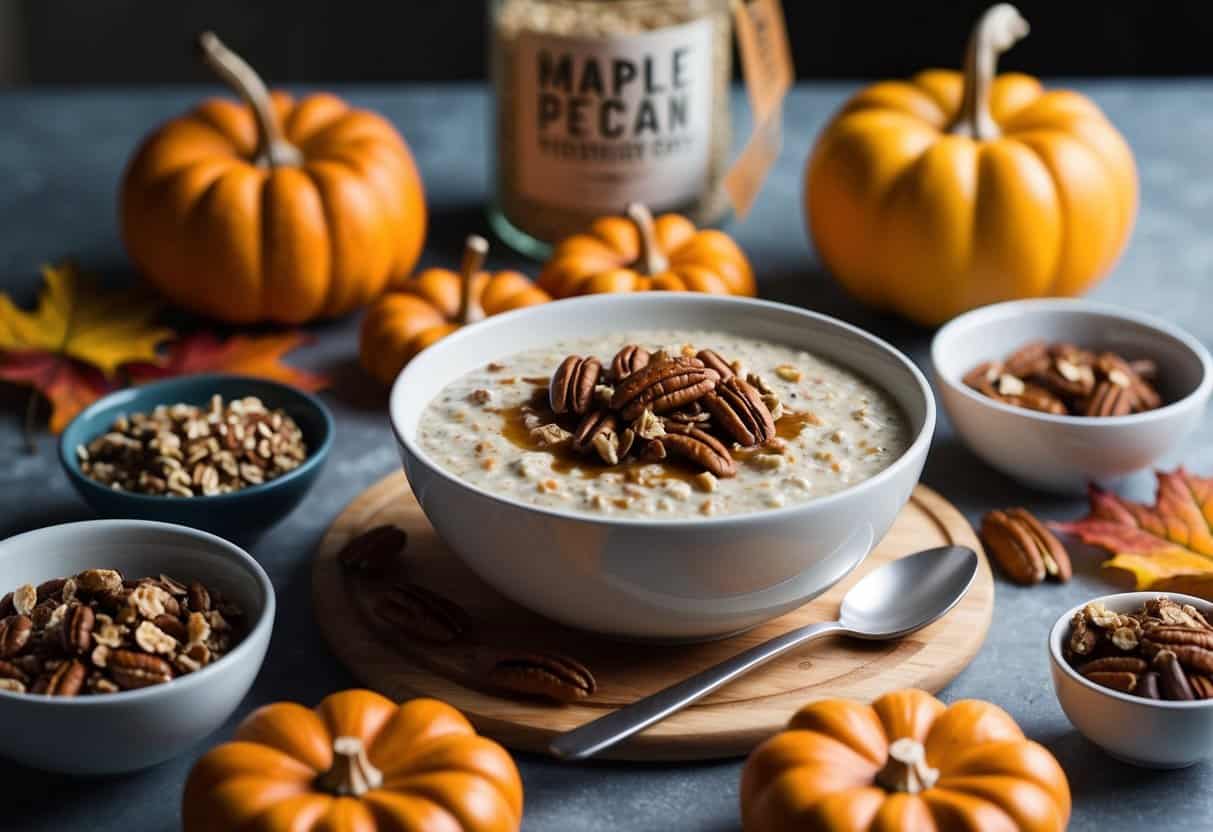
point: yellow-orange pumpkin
(636, 253)
(905, 763)
(356, 763)
(952, 190)
(433, 304)
(278, 211)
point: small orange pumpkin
(636, 253)
(358, 762)
(277, 211)
(903, 764)
(435, 303)
(951, 190)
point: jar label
(623, 118)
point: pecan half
(714, 361)
(1191, 646)
(1029, 360)
(547, 675)
(1114, 664)
(131, 669)
(739, 411)
(1172, 612)
(572, 386)
(1147, 686)
(1172, 682)
(1109, 399)
(418, 613)
(1121, 372)
(699, 447)
(374, 550)
(1115, 679)
(8, 670)
(628, 360)
(1023, 548)
(1035, 397)
(1201, 685)
(173, 626)
(593, 424)
(64, 680)
(77, 629)
(14, 634)
(662, 387)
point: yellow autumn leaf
(76, 318)
(1174, 536)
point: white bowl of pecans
(1134, 674)
(123, 642)
(662, 465)
(1058, 393)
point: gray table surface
(61, 155)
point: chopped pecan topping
(738, 409)
(1023, 548)
(592, 425)
(572, 386)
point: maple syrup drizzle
(565, 461)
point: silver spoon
(892, 601)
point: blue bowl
(240, 514)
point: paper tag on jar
(766, 63)
(605, 121)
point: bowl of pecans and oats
(228, 454)
(124, 642)
(1133, 672)
(662, 465)
(1059, 392)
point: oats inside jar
(663, 424)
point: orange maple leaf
(70, 346)
(249, 355)
(1172, 537)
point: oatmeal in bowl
(662, 466)
(663, 423)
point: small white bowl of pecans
(1058, 393)
(1134, 674)
(124, 642)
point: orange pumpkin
(636, 253)
(903, 764)
(277, 211)
(932, 196)
(435, 303)
(356, 763)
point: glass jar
(600, 103)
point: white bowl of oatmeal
(648, 548)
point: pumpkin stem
(996, 31)
(352, 774)
(653, 262)
(272, 147)
(907, 770)
(475, 249)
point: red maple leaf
(69, 385)
(250, 355)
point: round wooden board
(728, 723)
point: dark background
(148, 41)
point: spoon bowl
(909, 593)
(892, 601)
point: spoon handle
(589, 739)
